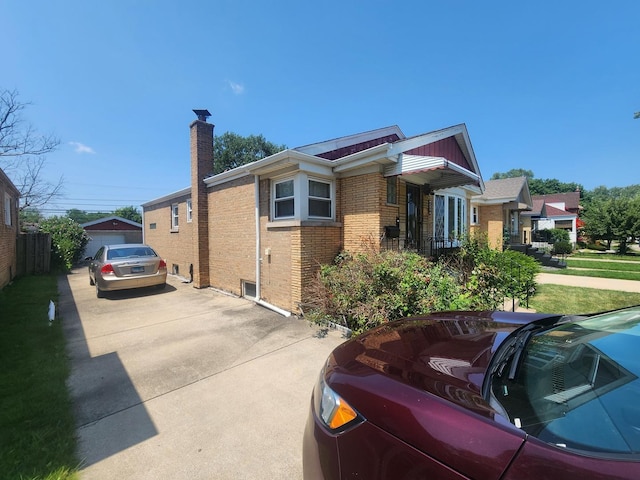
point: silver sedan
(120, 267)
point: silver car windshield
(578, 385)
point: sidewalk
(589, 282)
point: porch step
(544, 258)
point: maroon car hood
(446, 354)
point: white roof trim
(266, 165)
(338, 143)
(111, 218)
(170, 196)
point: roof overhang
(168, 197)
(437, 172)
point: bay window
(302, 197)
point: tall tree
(552, 185)
(130, 213)
(82, 216)
(539, 186)
(231, 150)
(22, 151)
(513, 173)
(613, 219)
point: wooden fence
(33, 253)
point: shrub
(597, 247)
(366, 289)
(562, 247)
(490, 275)
(68, 241)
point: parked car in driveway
(120, 267)
(481, 395)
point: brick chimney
(201, 167)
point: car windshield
(576, 385)
(129, 252)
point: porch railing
(429, 247)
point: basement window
(249, 289)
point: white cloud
(81, 148)
(237, 88)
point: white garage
(110, 231)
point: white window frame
(329, 199)
(454, 233)
(301, 197)
(7, 209)
(475, 215)
(275, 201)
(189, 211)
(175, 216)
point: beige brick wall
(176, 247)
(491, 221)
(232, 229)
(361, 198)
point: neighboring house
(559, 210)
(9, 229)
(262, 230)
(111, 231)
(499, 211)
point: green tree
(82, 216)
(614, 219)
(130, 213)
(68, 240)
(539, 186)
(231, 150)
(30, 215)
(551, 185)
(513, 173)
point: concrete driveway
(186, 383)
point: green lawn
(621, 267)
(559, 299)
(576, 300)
(37, 430)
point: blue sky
(547, 86)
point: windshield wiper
(513, 352)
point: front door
(414, 217)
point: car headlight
(334, 412)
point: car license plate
(137, 269)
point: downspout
(258, 300)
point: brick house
(501, 209)
(262, 230)
(557, 210)
(9, 229)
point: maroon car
(494, 395)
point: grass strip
(596, 273)
(620, 266)
(630, 257)
(577, 300)
(37, 429)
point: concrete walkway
(589, 282)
